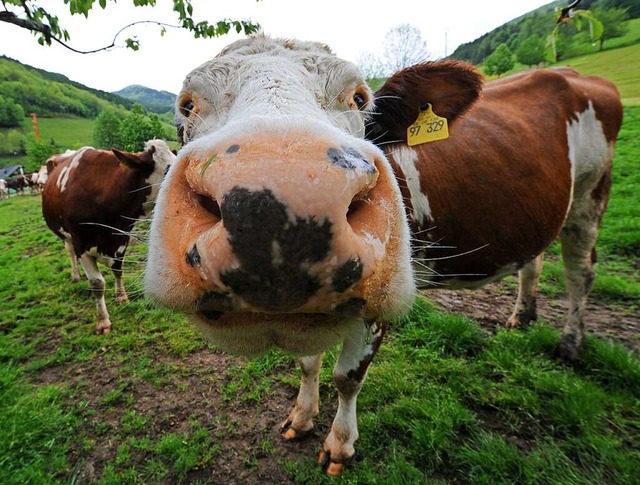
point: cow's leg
(97, 286)
(578, 237)
(528, 278)
(121, 293)
(349, 374)
(75, 274)
(299, 423)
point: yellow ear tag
(428, 127)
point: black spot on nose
(274, 250)
(233, 149)
(349, 158)
(193, 257)
(347, 275)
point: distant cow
(280, 226)
(91, 201)
(4, 191)
(18, 183)
(38, 179)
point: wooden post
(34, 118)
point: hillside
(152, 100)
(51, 94)
(537, 22)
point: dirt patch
(492, 305)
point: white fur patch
(420, 209)
(63, 177)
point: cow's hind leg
(348, 375)
(578, 237)
(299, 423)
(97, 286)
(525, 308)
(75, 274)
(116, 268)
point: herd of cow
(303, 210)
(33, 181)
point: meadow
(447, 400)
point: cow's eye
(187, 107)
(359, 100)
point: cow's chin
(253, 334)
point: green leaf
(206, 165)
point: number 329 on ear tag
(428, 127)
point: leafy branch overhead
(577, 17)
(32, 16)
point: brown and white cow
(92, 199)
(280, 225)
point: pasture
(449, 399)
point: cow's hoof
(291, 434)
(122, 299)
(567, 351)
(331, 467)
(103, 328)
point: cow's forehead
(240, 59)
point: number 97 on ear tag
(428, 127)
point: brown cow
(281, 226)
(92, 199)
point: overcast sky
(349, 27)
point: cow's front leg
(525, 308)
(348, 375)
(97, 286)
(75, 274)
(300, 421)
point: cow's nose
(290, 223)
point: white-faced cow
(280, 225)
(92, 199)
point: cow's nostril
(356, 206)
(210, 205)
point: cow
(291, 214)
(18, 184)
(4, 190)
(92, 199)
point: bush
(11, 113)
(38, 152)
(107, 131)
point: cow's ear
(143, 162)
(451, 87)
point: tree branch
(28, 24)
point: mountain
(156, 101)
(51, 94)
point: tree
(137, 128)
(531, 51)
(11, 113)
(614, 23)
(500, 61)
(33, 16)
(38, 151)
(106, 133)
(402, 47)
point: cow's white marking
(63, 177)
(420, 209)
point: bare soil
(249, 448)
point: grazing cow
(91, 201)
(18, 183)
(280, 225)
(4, 190)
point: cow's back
(512, 152)
(91, 196)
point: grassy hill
(51, 94)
